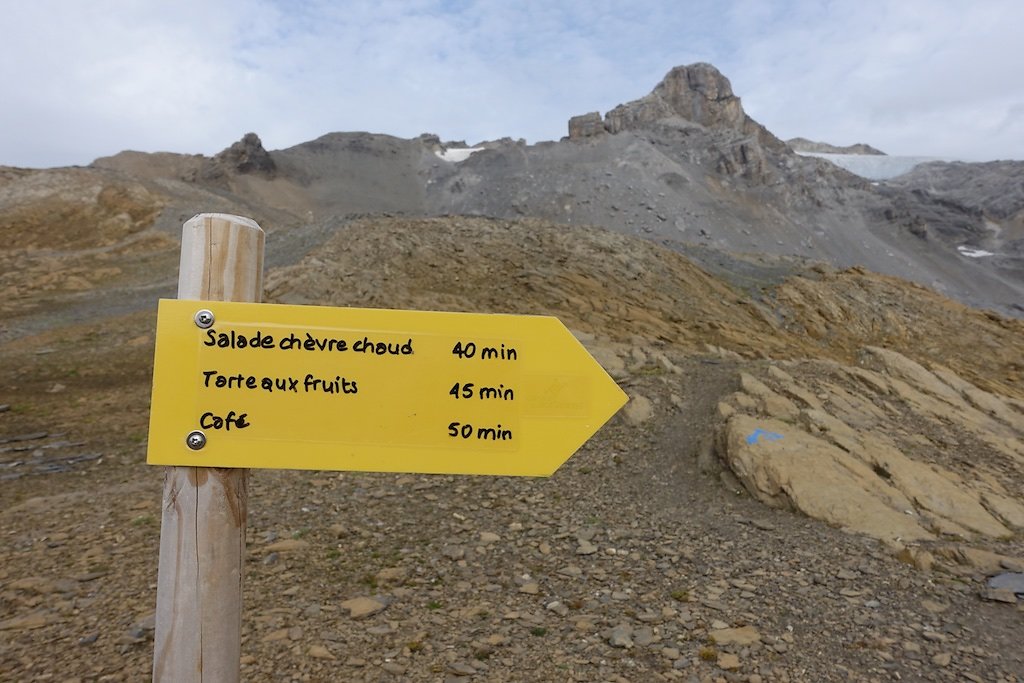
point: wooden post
(202, 530)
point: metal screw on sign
(195, 440)
(204, 318)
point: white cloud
(86, 79)
(910, 77)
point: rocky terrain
(805, 145)
(819, 475)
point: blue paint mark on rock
(757, 434)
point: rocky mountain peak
(696, 95)
(699, 93)
(247, 156)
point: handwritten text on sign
(311, 387)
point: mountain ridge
(683, 164)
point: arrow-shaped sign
(310, 387)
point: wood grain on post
(202, 532)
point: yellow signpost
(310, 387)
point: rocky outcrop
(889, 448)
(695, 95)
(785, 467)
(248, 156)
(698, 93)
(245, 157)
(805, 145)
(586, 126)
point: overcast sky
(83, 79)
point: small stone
(274, 636)
(1011, 581)
(743, 636)
(942, 659)
(531, 588)
(392, 575)
(557, 607)
(487, 537)
(728, 661)
(461, 669)
(453, 552)
(638, 410)
(644, 636)
(1012, 564)
(934, 607)
(320, 652)
(287, 545)
(362, 607)
(621, 636)
(671, 653)
(999, 595)
(586, 548)
(26, 622)
(36, 584)
(393, 668)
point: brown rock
(728, 661)
(800, 471)
(638, 410)
(586, 126)
(916, 557)
(745, 635)
(769, 402)
(275, 636)
(362, 607)
(1000, 595)
(287, 545)
(26, 622)
(320, 652)
(392, 575)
